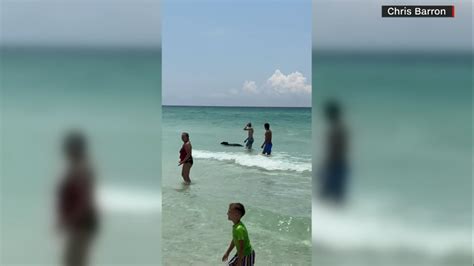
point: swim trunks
(248, 143)
(248, 260)
(267, 149)
(334, 181)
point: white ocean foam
(128, 200)
(351, 229)
(275, 162)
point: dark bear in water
(225, 143)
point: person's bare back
(267, 144)
(249, 140)
(250, 132)
(268, 136)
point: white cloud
(250, 87)
(277, 84)
(292, 83)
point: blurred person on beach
(249, 141)
(186, 158)
(240, 239)
(267, 144)
(76, 206)
(334, 171)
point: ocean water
(275, 190)
(410, 120)
(411, 163)
(114, 96)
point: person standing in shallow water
(186, 158)
(333, 177)
(249, 141)
(267, 144)
(76, 206)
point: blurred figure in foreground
(77, 211)
(333, 175)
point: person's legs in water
(77, 248)
(185, 172)
(333, 183)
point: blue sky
(239, 53)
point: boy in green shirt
(245, 255)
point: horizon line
(80, 47)
(232, 106)
(439, 52)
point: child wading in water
(240, 239)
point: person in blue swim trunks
(267, 145)
(335, 169)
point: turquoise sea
(114, 96)
(410, 200)
(275, 190)
(410, 120)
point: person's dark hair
(332, 110)
(75, 145)
(239, 207)
(186, 134)
(267, 126)
(249, 124)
